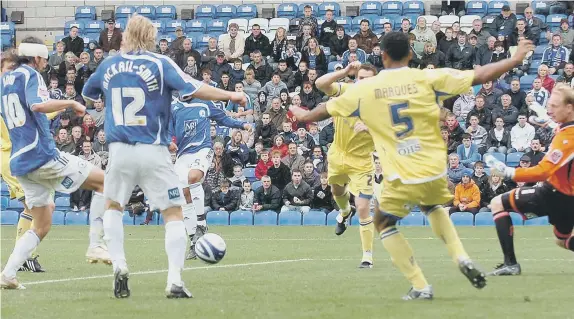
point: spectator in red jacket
(263, 165)
(547, 81)
(280, 146)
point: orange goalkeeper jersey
(557, 166)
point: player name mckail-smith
(129, 66)
(392, 91)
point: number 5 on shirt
(403, 120)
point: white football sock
(189, 219)
(97, 220)
(175, 244)
(114, 237)
(22, 251)
(198, 196)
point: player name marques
(396, 91)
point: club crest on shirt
(555, 156)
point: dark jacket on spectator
(327, 135)
(339, 46)
(226, 163)
(260, 43)
(437, 59)
(280, 176)
(512, 38)
(323, 198)
(491, 98)
(263, 72)
(366, 41)
(460, 59)
(535, 157)
(504, 26)
(444, 45)
(226, 201)
(483, 55)
(484, 117)
(300, 78)
(518, 100)
(489, 193)
(491, 140)
(376, 61)
(114, 43)
(181, 59)
(536, 26)
(303, 192)
(310, 100)
(270, 200)
(236, 76)
(218, 69)
(75, 45)
(510, 116)
(288, 78)
(328, 29)
(277, 48)
(320, 61)
(267, 133)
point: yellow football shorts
(398, 199)
(15, 190)
(345, 169)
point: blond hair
(565, 91)
(139, 35)
(84, 54)
(9, 59)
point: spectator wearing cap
(256, 42)
(110, 38)
(521, 135)
(522, 29)
(535, 24)
(177, 44)
(505, 22)
(219, 66)
(466, 196)
(473, 42)
(73, 43)
(555, 56)
(366, 39)
(182, 55)
(328, 28)
(232, 44)
(338, 43)
(481, 34)
(525, 162)
(565, 31)
(210, 53)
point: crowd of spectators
(290, 157)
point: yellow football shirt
(400, 108)
(346, 139)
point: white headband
(33, 50)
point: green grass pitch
(293, 272)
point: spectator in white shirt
(541, 95)
(521, 135)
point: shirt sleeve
(347, 104)
(336, 89)
(222, 119)
(450, 82)
(176, 79)
(92, 88)
(36, 91)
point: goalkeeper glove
(499, 166)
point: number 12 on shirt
(403, 120)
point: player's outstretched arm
(209, 93)
(493, 71)
(58, 105)
(325, 82)
(317, 114)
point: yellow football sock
(24, 224)
(343, 203)
(402, 256)
(444, 229)
(367, 230)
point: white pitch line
(151, 272)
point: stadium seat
(331, 66)
(483, 219)
(379, 24)
(121, 24)
(513, 159)
(539, 221)
(124, 12)
(265, 218)
(205, 11)
(138, 219)
(540, 7)
(333, 6)
(494, 7)
(91, 37)
(287, 10)
(553, 20)
(356, 22)
(241, 217)
(196, 26)
(62, 203)
(332, 218)
(371, 7)
(172, 24)
(218, 217)
(412, 219)
(526, 82)
(9, 217)
(314, 9)
(127, 219)
(255, 185)
(85, 13)
(247, 11)
(74, 23)
(93, 27)
(477, 7)
(533, 70)
(226, 11)
(76, 218)
(58, 218)
(263, 23)
(346, 22)
(159, 25)
(558, 8)
(314, 218)
(167, 37)
(249, 173)
(516, 219)
(275, 23)
(165, 12)
(499, 156)
(241, 23)
(447, 21)
(430, 19)
(290, 218)
(462, 219)
(466, 21)
(202, 42)
(217, 26)
(392, 7)
(414, 7)
(5, 189)
(146, 11)
(539, 52)
(5, 202)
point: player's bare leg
(175, 243)
(193, 211)
(366, 230)
(97, 250)
(505, 231)
(114, 238)
(341, 196)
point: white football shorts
(186, 162)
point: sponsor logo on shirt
(173, 193)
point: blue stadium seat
(558, 8)
(166, 12)
(412, 219)
(5, 189)
(5, 202)
(540, 7)
(356, 23)
(62, 203)
(540, 221)
(553, 20)
(217, 26)
(487, 171)
(241, 217)
(494, 7)
(290, 218)
(196, 26)
(167, 37)
(462, 219)
(226, 11)
(516, 219)
(392, 7)
(255, 185)
(205, 11)
(58, 218)
(526, 82)
(203, 41)
(288, 10)
(265, 218)
(90, 37)
(93, 27)
(124, 12)
(138, 219)
(332, 218)
(346, 22)
(9, 217)
(513, 159)
(121, 24)
(371, 7)
(414, 7)
(74, 23)
(533, 70)
(159, 25)
(333, 6)
(172, 24)
(127, 219)
(218, 217)
(483, 219)
(332, 64)
(538, 52)
(249, 173)
(477, 7)
(314, 9)
(76, 218)
(247, 11)
(379, 24)
(146, 11)
(85, 13)
(314, 218)
(499, 156)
